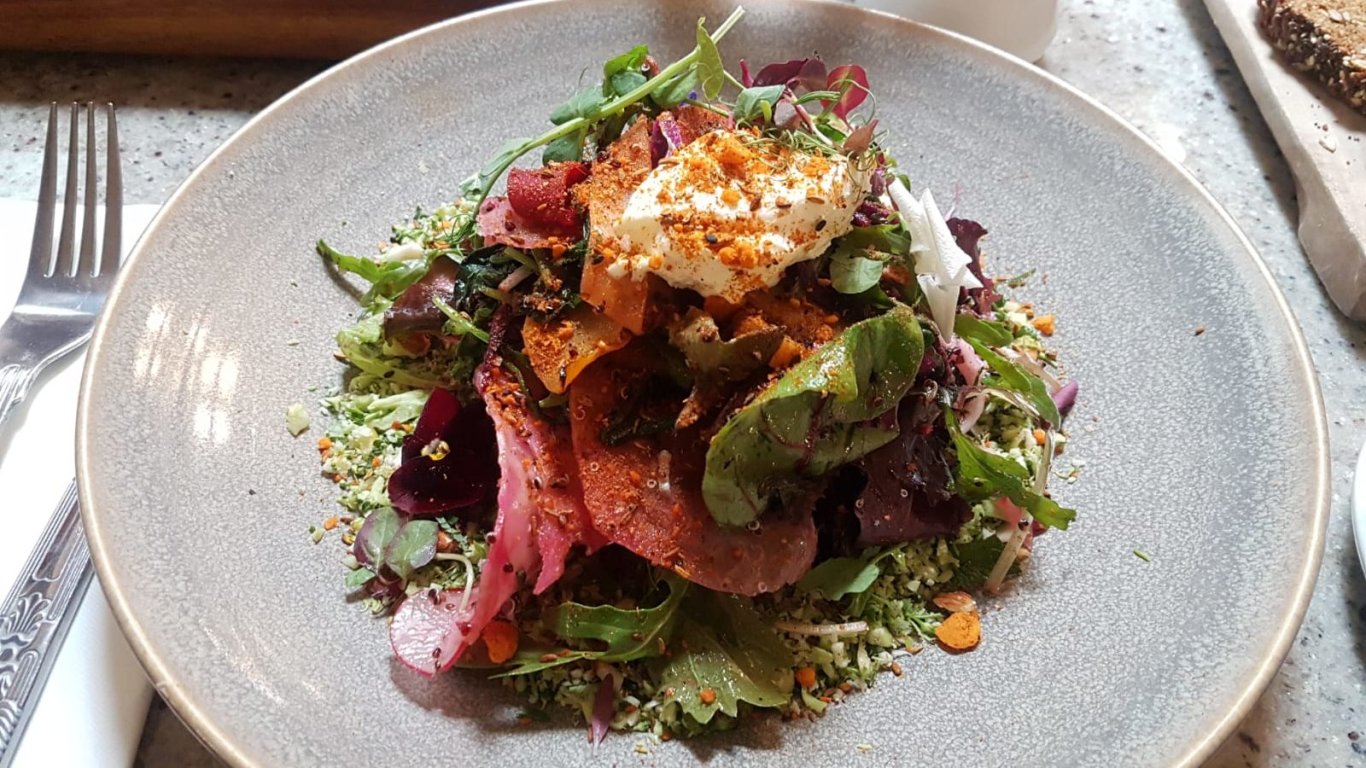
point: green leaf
(882, 238)
(756, 102)
(477, 187)
(698, 338)
(983, 474)
(633, 60)
(976, 558)
(387, 279)
(711, 71)
(858, 257)
(726, 648)
(988, 332)
(1007, 375)
(529, 660)
(623, 83)
(565, 149)
(584, 103)
(458, 323)
(413, 547)
(627, 633)
(853, 274)
(1046, 510)
(359, 578)
(383, 523)
(675, 90)
(841, 576)
(362, 346)
(814, 418)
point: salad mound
(707, 414)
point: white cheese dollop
(728, 213)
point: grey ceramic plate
(1207, 452)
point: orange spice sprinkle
(324, 443)
(330, 523)
(729, 196)
(707, 695)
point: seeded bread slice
(1326, 38)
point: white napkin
(92, 711)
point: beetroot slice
(541, 195)
(499, 224)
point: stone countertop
(1160, 64)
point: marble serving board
(1324, 142)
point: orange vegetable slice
(960, 631)
(500, 638)
(561, 349)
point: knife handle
(36, 616)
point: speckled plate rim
(187, 709)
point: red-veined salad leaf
(372, 540)
(414, 310)
(412, 547)
(816, 417)
(909, 494)
(798, 74)
(968, 234)
(852, 80)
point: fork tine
(86, 262)
(113, 200)
(73, 160)
(40, 258)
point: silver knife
(36, 616)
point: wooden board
(302, 29)
(1324, 141)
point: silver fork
(54, 315)
(61, 297)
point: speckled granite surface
(1159, 64)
